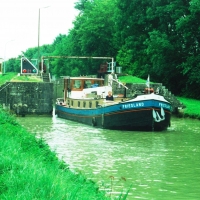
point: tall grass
(29, 170)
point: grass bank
(131, 79)
(29, 170)
(12, 76)
(192, 109)
(6, 77)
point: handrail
(49, 77)
(5, 87)
(119, 83)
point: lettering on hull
(164, 105)
(141, 104)
(132, 105)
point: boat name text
(132, 105)
(164, 105)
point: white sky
(19, 23)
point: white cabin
(85, 88)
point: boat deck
(89, 103)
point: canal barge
(84, 101)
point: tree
(91, 36)
(161, 38)
(188, 28)
(13, 65)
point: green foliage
(158, 48)
(160, 40)
(13, 65)
(75, 72)
(95, 33)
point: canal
(154, 165)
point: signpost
(27, 67)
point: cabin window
(97, 104)
(72, 103)
(99, 83)
(84, 104)
(87, 83)
(90, 104)
(76, 84)
(79, 103)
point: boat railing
(60, 101)
(117, 81)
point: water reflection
(157, 165)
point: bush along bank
(29, 170)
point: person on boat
(110, 96)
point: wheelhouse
(79, 84)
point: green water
(155, 165)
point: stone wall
(58, 87)
(27, 97)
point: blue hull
(129, 115)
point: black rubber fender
(94, 122)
